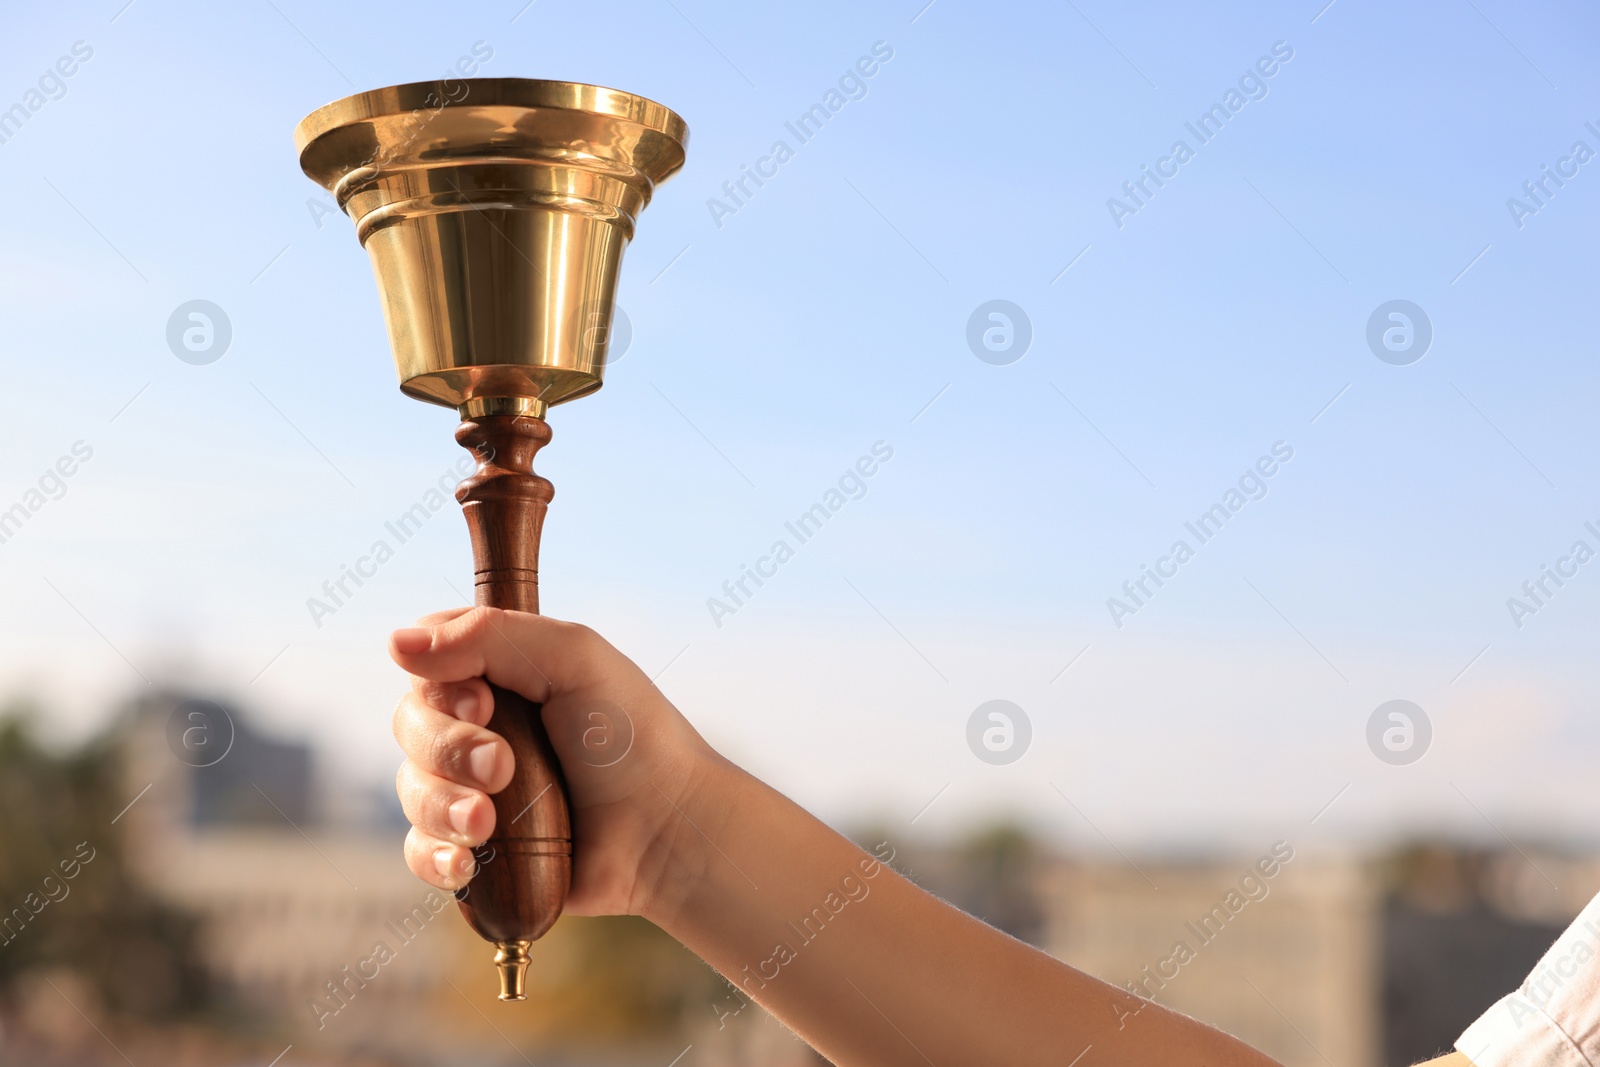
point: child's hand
(629, 757)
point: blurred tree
(67, 901)
(992, 873)
(997, 879)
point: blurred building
(1334, 960)
(1288, 963)
(231, 824)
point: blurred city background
(234, 909)
(1334, 346)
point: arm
(872, 970)
(855, 959)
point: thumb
(531, 654)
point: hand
(631, 759)
(723, 863)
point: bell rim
(530, 93)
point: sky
(1182, 339)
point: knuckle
(407, 716)
(436, 695)
(444, 755)
(411, 733)
(432, 815)
(426, 806)
(479, 623)
(438, 618)
(409, 790)
(419, 858)
(586, 640)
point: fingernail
(412, 640)
(441, 862)
(461, 814)
(482, 760)
(466, 705)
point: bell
(496, 211)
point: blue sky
(774, 349)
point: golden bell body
(495, 211)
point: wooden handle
(525, 869)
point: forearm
(870, 969)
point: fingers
(443, 810)
(453, 761)
(439, 863)
(470, 701)
(531, 654)
(453, 745)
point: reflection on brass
(495, 211)
(480, 406)
(511, 960)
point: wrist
(693, 818)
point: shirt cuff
(1515, 1033)
(1553, 1019)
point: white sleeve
(1553, 1019)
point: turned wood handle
(525, 869)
